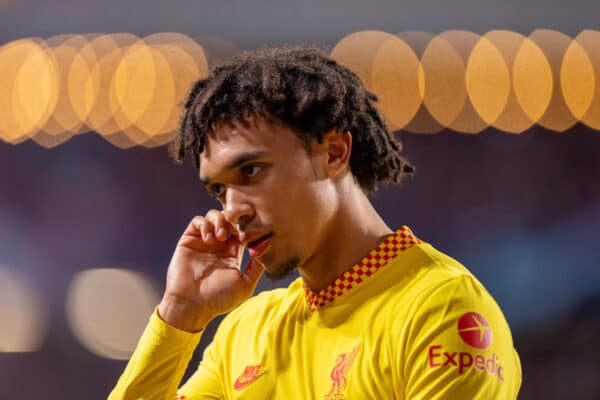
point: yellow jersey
(406, 322)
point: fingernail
(221, 232)
(208, 236)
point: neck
(354, 231)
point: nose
(237, 208)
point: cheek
(327, 200)
(289, 190)
(297, 202)
(316, 205)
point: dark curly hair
(305, 90)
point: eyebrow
(238, 161)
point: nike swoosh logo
(242, 382)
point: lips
(258, 247)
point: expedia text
(464, 360)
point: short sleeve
(457, 345)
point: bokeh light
(357, 51)
(188, 62)
(22, 312)
(82, 88)
(64, 122)
(488, 80)
(29, 88)
(532, 80)
(397, 80)
(444, 94)
(102, 118)
(577, 80)
(131, 90)
(580, 78)
(557, 116)
(35, 90)
(513, 118)
(444, 62)
(422, 122)
(107, 310)
(389, 68)
(142, 92)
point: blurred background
(497, 104)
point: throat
(332, 260)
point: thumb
(254, 270)
(233, 248)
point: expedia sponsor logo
(464, 360)
(475, 331)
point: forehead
(232, 139)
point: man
(290, 144)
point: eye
(251, 170)
(217, 189)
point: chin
(276, 271)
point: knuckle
(198, 219)
(197, 222)
(201, 223)
(215, 216)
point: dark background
(521, 211)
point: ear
(338, 146)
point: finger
(222, 227)
(205, 228)
(193, 227)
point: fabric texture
(406, 322)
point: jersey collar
(399, 241)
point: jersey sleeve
(158, 363)
(458, 345)
(205, 383)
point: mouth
(260, 246)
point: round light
(580, 78)
(532, 80)
(29, 82)
(64, 122)
(357, 51)
(445, 92)
(488, 80)
(389, 68)
(395, 81)
(108, 50)
(188, 63)
(577, 80)
(422, 122)
(22, 312)
(107, 310)
(142, 92)
(463, 43)
(512, 118)
(557, 116)
(82, 86)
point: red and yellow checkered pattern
(401, 240)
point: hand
(204, 278)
